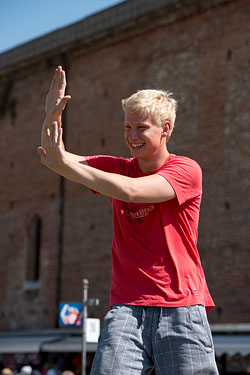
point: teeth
(137, 144)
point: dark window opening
(33, 253)
(229, 54)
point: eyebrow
(135, 123)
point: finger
(41, 152)
(57, 74)
(48, 133)
(60, 140)
(62, 81)
(52, 83)
(64, 101)
(63, 77)
(54, 132)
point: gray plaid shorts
(155, 340)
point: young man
(159, 297)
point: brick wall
(201, 53)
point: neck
(151, 165)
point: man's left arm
(148, 189)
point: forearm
(110, 184)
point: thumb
(41, 152)
(64, 101)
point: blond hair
(158, 104)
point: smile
(136, 145)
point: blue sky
(24, 20)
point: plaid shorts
(155, 340)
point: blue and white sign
(70, 314)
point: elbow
(130, 193)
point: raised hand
(56, 99)
(53, 154)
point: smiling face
(145, 140)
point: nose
(133, 133)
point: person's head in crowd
(68, 372)
(26, 370)
(6, 371)
(51, 371)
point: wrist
(53, 117)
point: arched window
(33, 251)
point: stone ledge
(95, 27)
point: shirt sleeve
(105, 163)
(185, 176)
(110, 164)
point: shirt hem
(209, 306)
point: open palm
(56, 99)
(53, 154)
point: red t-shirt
(155, 261)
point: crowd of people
(28, 370)
(44, 363)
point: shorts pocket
(108, 319)
(200, 327)
(111, 315)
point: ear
(166, 127)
